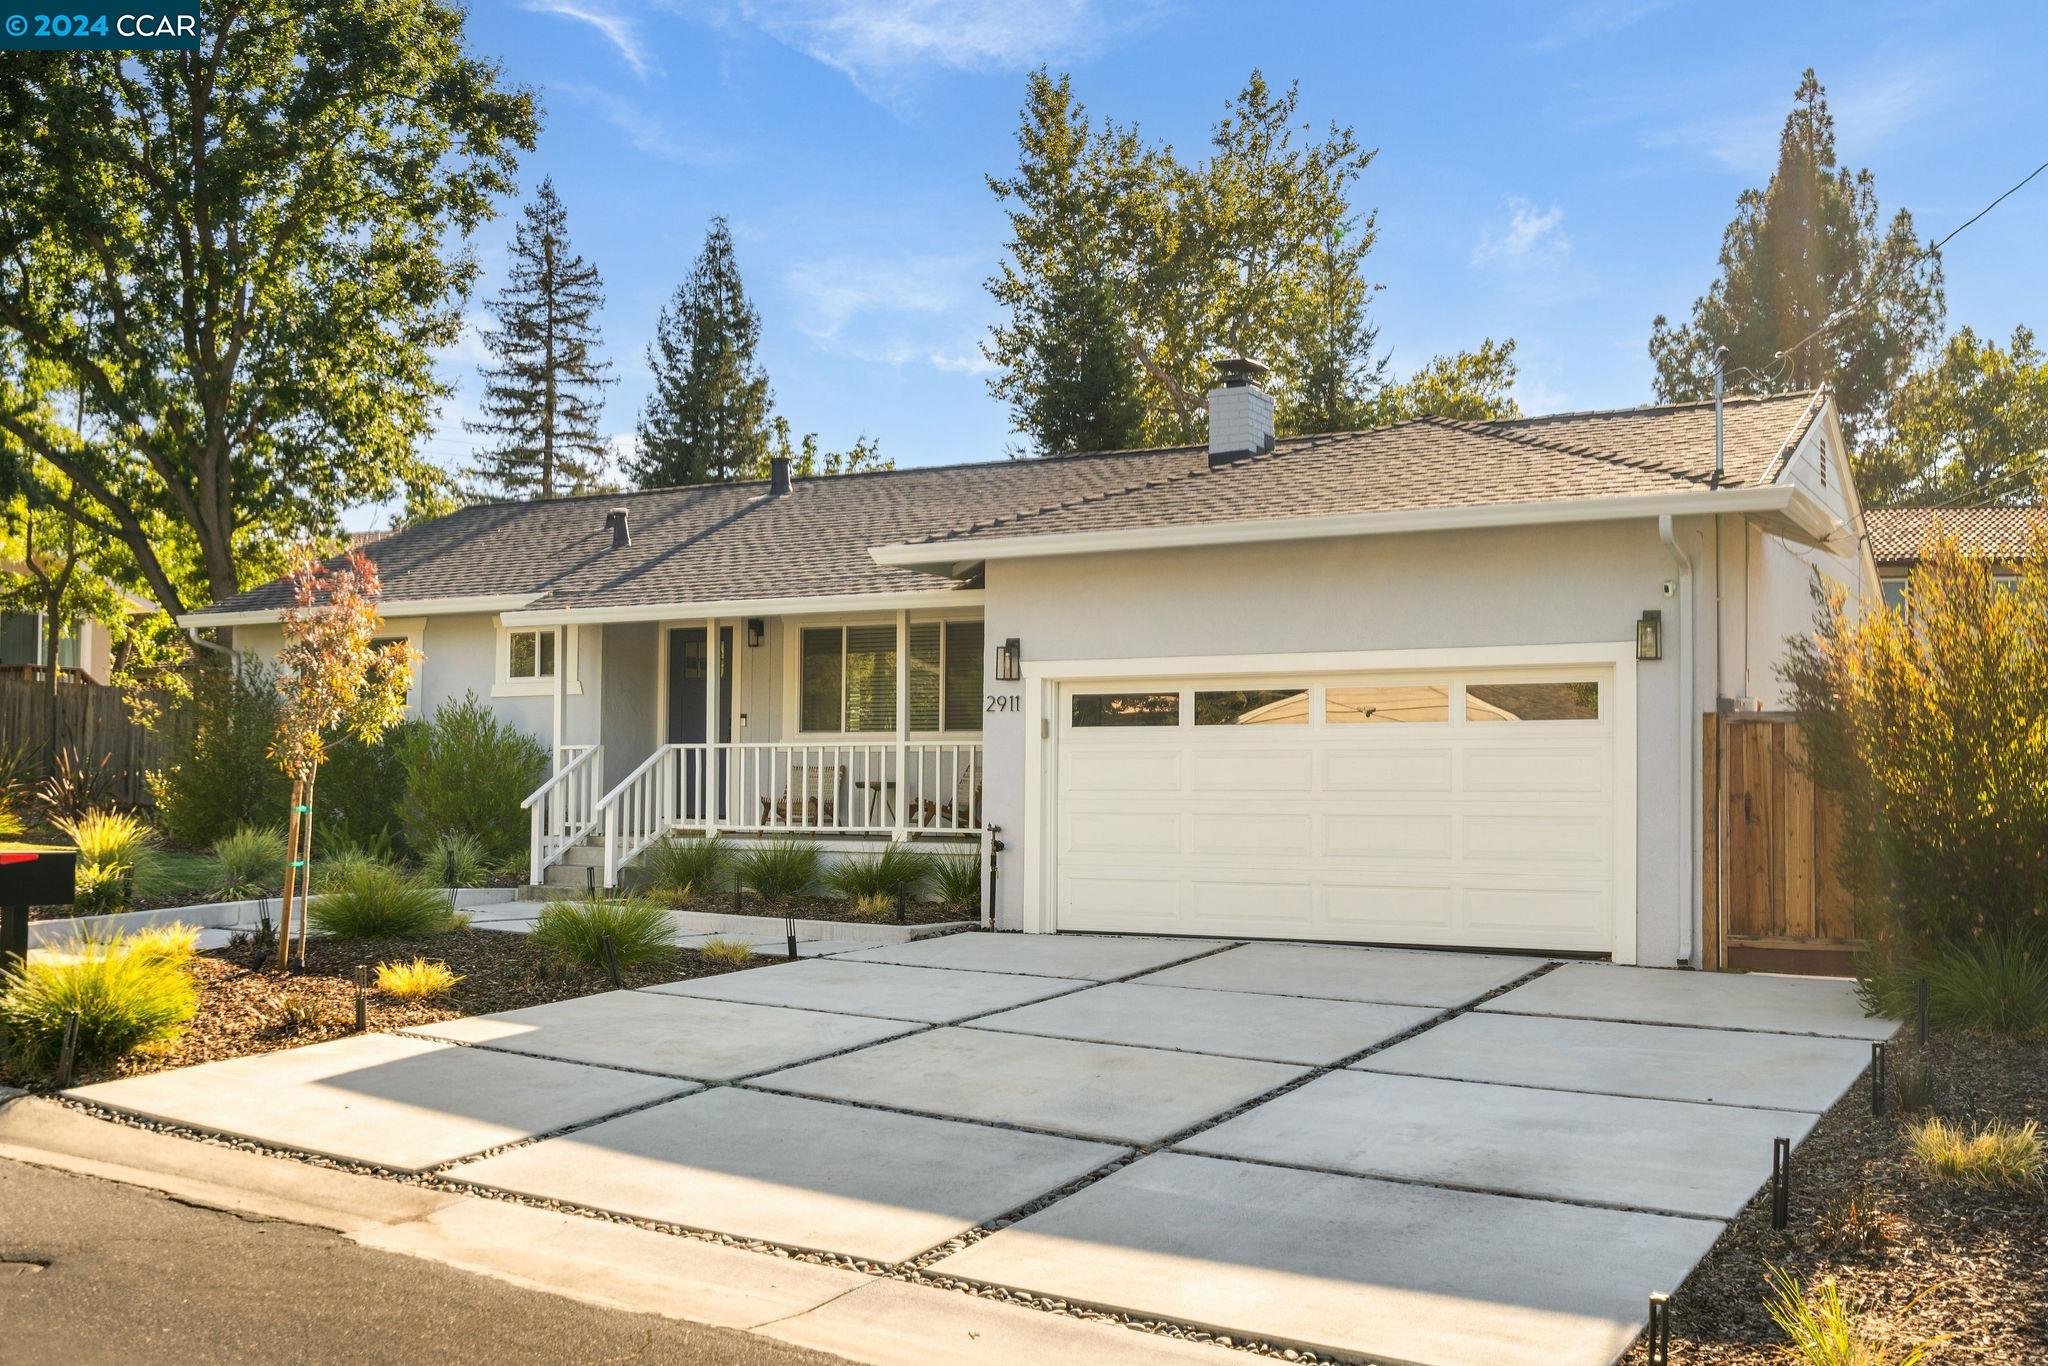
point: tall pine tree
(1807, 254)
(707, 419)
(1065, 360)
(542, 399)
(1334, 374)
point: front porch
(851, 728)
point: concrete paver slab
(805, 1173)
(1402, 977)
(774, 947)
(1098, 958)
(1089, 1090)
(508, 926)
(676, 1035)
(1784, 1005)
(1238, 1024)
(893, 1322)
(1347, 1264)
(502, 910)
(1679, 1157)
(626, 1267)
(1660, 1062)
(407, 1104)
(928, 995)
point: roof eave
(1784, 508)
(912, 601)
(388, 607)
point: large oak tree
(245, 256)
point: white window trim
(793, 677)
(503, 684)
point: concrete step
(576, 877)
(585, 855)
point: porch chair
(964, 811)
(819, 796)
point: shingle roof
(727, 542)
(720, 542)
(1998, 533)
(1434, 462)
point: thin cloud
(878, 44)
(644, 131)
(1595, 19)
(909, 310)
(1533, 242)
(621, 32)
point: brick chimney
(1240, 412)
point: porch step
(574, 876)
(589, 854)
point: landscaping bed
(1912, 1258)
(247, 1009)
(834, 908)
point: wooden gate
(1774, 902)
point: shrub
(896, 874)
(874, 906)
(117, 856)
(170, 946)
(374, 900)
(19, 764)
(455, 859)
(729, 953)
(574, 931)
(345, 864)
(415, 981)
(1998, 1156)
(125, 1000)
(249, 862)
(1825, 1333)
(1924, 721)
(76, 785)
(360, 792)
(686, 867)
(467, 771)
(780, 869)
(1999, 983)
(297, 1012)
(957, 880)
(218, 774)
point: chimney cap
(622, 535)
(1235, 371)
(778, 475)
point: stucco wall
(1577, 584)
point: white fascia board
(388, 607)
(750, 607)
(947, 556)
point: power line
(1785, 355)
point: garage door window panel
(1110, 710)
(1409, 703)
(1252, 707)
(1567, 701)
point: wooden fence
(93, 720)
(1774, 901)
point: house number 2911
(1006, 701)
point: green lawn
(181, 874)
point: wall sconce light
(1650, 635)
(757, 631)
(1009, 661)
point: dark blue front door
(688, 660)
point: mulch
(1915, 1259)
(247, 1006)
(819, 908)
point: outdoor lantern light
(1650, 635)
(757, 631)
(1010, 661)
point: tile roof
(727, 542)
(1435, 462)
(1997, 532)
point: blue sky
(1554, 173)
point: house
(85, 648)
(1440, 683)
(1995, 532)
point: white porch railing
(818, 789)
(563, 809)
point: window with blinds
(849, 677)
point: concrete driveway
(1428, 1157)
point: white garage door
(1473, 808)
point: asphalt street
(95, 1271)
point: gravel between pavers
(1977, 1261)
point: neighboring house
(1996, 533)
(85, 648)
(1438, 683)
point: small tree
(1928, 722)
(332, 679)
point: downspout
(1686, 741)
